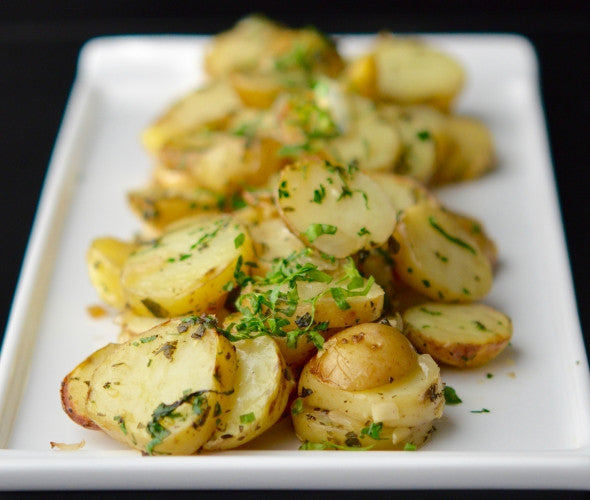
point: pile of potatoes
(293, 257)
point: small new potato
(460, 335)
(368, 388)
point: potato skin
(392, 404)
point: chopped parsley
(451, 397)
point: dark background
(40, 41)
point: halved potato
(188, 268)
(439, 258)
(262, 388)
(76, 385)
(410, 71)
(104, 260)
(134, 325)
(159, 393)
(203, 107)
(368, 387)
(461, 335)
(470, 151)
(336, 209)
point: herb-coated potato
(187, 269)
(336, 209)
(159, 393)
(371, 388)
(261, 391)
(105, 258)
(439, 258)
(461, 335)
(75, 387)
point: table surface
(39, 47)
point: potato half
(104, 259)
(159, 393)
(262, 388)
(368, 387)
(439, 258)
(185, 271)
(461, 335)
(336, 209)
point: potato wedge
(104, 260)
(185, 271)
(439, 258)
(461, 335)
(262, 388)
(159, 393)
(75, 387)
(133, 325)
(372, 390)
(336, 209)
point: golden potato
(105, 259)
(461, 335)
(159, 393)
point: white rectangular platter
(536, 433)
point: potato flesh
(353, 212)
(167, 366)
(410, 72)
(439, 258)
(197, 109)
(105, 259)
(262, 388)
(461, 335)
(186, 270)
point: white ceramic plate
(536, 433)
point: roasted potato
(160, 392)
(439, 258)
(335, 209)
(460, 335)
(104, 259)
(187, 269)
(261, 391)
(368, 388)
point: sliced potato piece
(205, 106)
(478, 232)
(75, 387)
(439, 258)
(461, 335)
(338, 210)
(159, 393)
(262, 388)
(470, 150)
(105, 259)
(187, 269)
(158, 208)
(372, 388)
(409, 71)
(133, 325)
(403, 191)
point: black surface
(39, 45)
